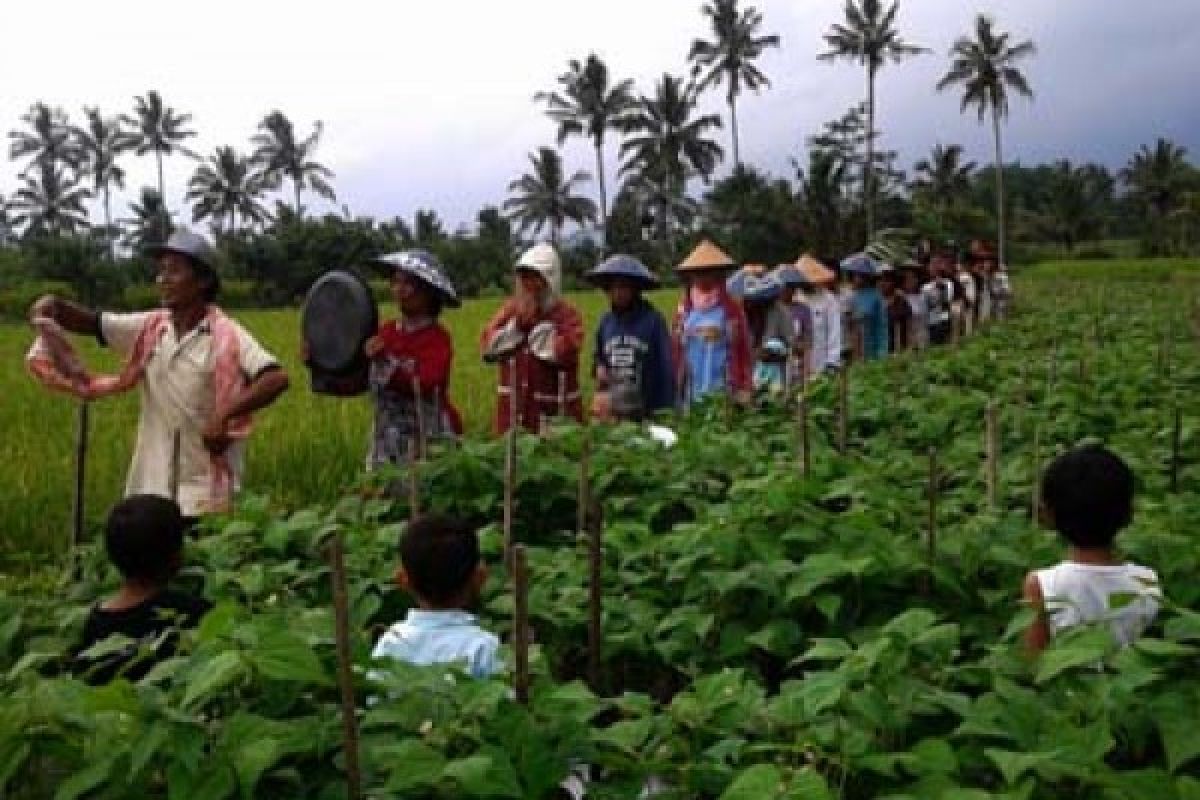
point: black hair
(144, 537)
(440, 553)
(1089, 492)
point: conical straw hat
(706, 256)
(814, 270)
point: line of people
(736, 330)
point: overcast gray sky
(429, 104)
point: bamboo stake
(562, 395)
(419, 408)
(843, 408)
(341, 619)
(414, 480)
(595, 593)
(992, 448)
(510, 468)
(584, 497)
(521, 623)
(805, 445)
(1176, 438)
(173, 475)
(81, 448)
(931, 532)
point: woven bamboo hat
(706, 256)
(814, 270)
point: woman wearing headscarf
(410, 360)
(710, 335)
(539, 334)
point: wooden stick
(931, 533)
(843, 408)
(520, 643)
(562, 394)
(804, 368)
(173, 475)
(419, 410)
(341, 620)
(991, 448)
(81, 449)
(510, 470)
(1176, 438)
(584, 497)
(414, 480)
(595, 593)
(802, 424)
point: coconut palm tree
(6, 223)
(158, 129)
(655, 190)
(281, 155)
(869, 37)
(825, 213)
(150, 223)
(985, 68)
(668, 139)
(99, 144)
(48, 141)
(227, 187)
(729, 58)
(943, 179)
(589, 106)
(546, 196)
(50, 201)
(1157, 177)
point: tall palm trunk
(161, 194)
(737, 159)
(296, 189)
(603, 197)
(108, 229)
(999, 188)
(869, 167)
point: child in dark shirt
(144, 541)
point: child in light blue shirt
(441, 568)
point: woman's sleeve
(568, 335)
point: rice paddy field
(306, 448)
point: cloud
(429, 105)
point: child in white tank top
(1087, 496)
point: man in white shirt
(200, 374)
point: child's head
(1087, 494)
(144, 538)
(439, 562)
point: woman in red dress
(410, 360)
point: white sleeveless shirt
(1079, 593)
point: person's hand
(743, 397)
(45, 306)
(373, 346)
(526, 311)
(215, 435)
